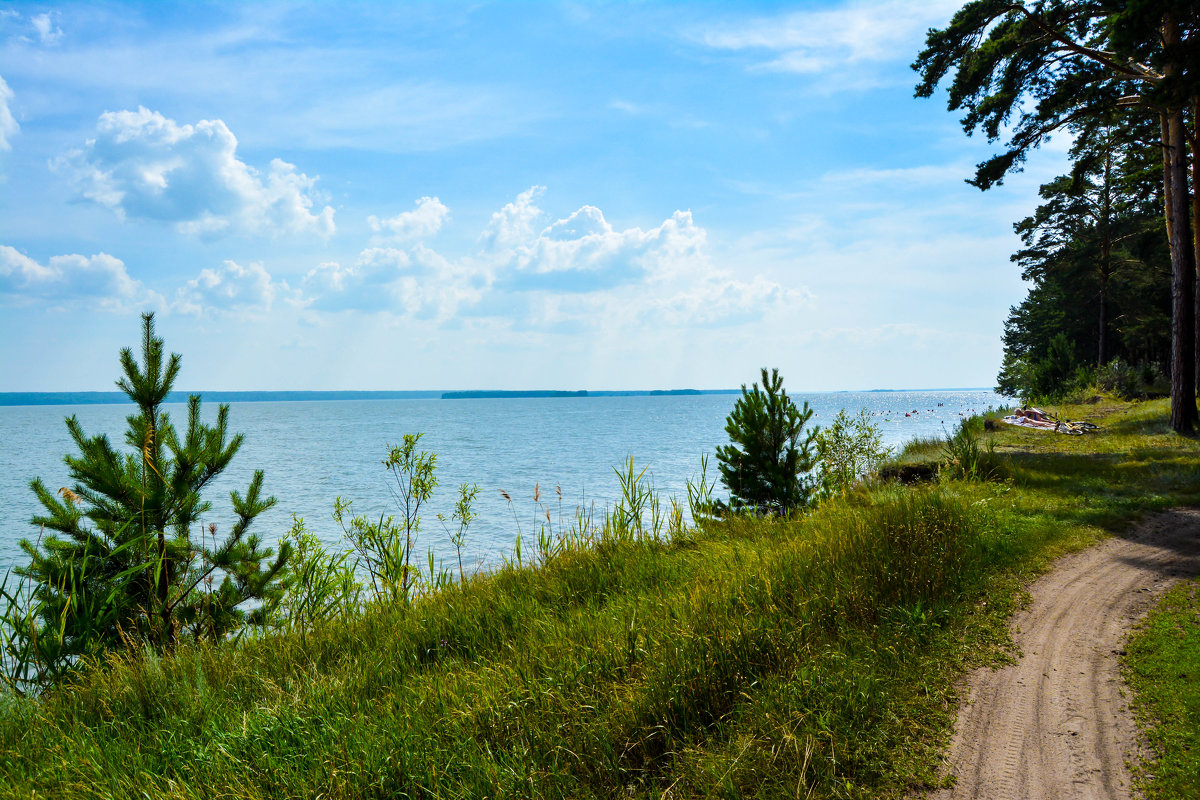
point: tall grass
(634, 664)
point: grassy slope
(751, 659)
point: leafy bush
(849, 449)
(322, 584)
(765, 466)
(1118, 378)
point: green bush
(964, 457)
(849, 449)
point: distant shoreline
(112, 398)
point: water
(314, 452)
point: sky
(509, 195)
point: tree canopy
(1025, 71)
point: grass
(1163, 669)
(752, 658)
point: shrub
(385, 547)
(965, 458)
(1118, 378)
(849, 449)
(766, 464)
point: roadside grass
(1162, 666)
(747, 658)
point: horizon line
(111, 397)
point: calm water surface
(313, 452)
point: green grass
(753, 658)
(1162, 665)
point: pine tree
(764, 466)
(126, 561)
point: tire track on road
(1056, 724)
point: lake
(315, 451)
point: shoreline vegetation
(815, 655)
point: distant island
(103, 398)
(107, 398)
(490, 394)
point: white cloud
(34, 29)
(232, 287)
(537, 273)
(372, 283)
(721, 299)
(143, 165)
(422, 283)
(383, 258)
(583, 252)
(581, 270)
(826, 40)
(100, 280)
(513, 223)
(8, 124)
(585, 242)
(48, 32)
(421, 223)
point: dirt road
(1057, 724)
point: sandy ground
(1057, 724)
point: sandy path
(1056, 724)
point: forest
(1110, 252)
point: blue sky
(495, 195)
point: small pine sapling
(766, 464)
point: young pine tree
(125, 560)
(765, 464)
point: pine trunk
(1183, 273)
(1179, 236)
(1196, 229)
(1105, 271)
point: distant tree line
(1112, 250)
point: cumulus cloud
(421, 223)
(375, 282)
(582, 251)
(100, 280)
(580, 269)
(533, 271)
(143, 165)
(823, 40)
(721, 299)
(232, 287)
(513, 224)
(420, 283)
(8, 124)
